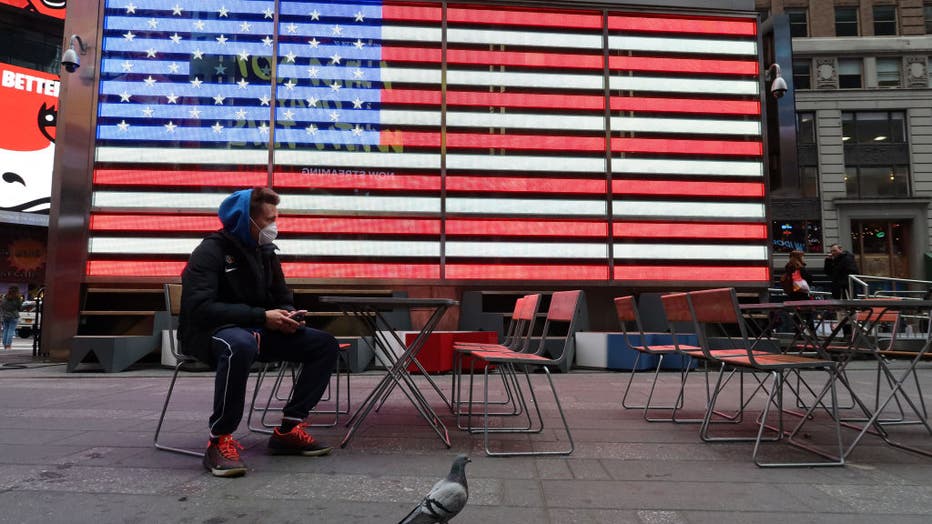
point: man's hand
(280, 320)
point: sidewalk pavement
(78, 448)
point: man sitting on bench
(235, 309)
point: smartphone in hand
(298, 315)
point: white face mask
(267, 234)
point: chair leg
(158, 428)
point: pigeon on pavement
(447, 498)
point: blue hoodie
(234, 215)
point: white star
(359, 17)
(241, 114)
(357, 103)
(335, 59)
(264, 100)
(242, 83)
(123, 125)
(153, 23)
(334, 116)
(312, 72)
(199, 25)
(130, 9)
(335, 85)
(220, 69)
(147, 112)
(124, 96)
(176, 11)
(269, 13)
(150, 53)
(149, 81)
(290, 56)
(127, 66)
(170, 127)
(267, 41)
(244, 55)
(357, 73)
(315, 15)
(314, 43)
(197, 54)
(311, 129)
(336, 30)
(245, 27)
(223, 12)
(263, 128)
(222, 39)
(196, 82)
(312, 101)
(359, 43)
(129, 35)
(173, 67)
(289, 85)
(288, 114)
(175, 38)
(195, 112)
(172, 98)
(218, 100)
(357, 130)
(291, 28)
(217, 128)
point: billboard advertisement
(53, 8)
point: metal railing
(861, 281)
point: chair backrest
(527, 318)
(511, 330)
(719, 306)
(172, 310)
(676, 308)
(563, 310)
(872, 318)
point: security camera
(779, 87)
(70, 60)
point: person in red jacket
(236, 309)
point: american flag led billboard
(513, 145)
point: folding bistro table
(370, 311)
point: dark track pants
(235, 349)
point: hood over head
(234, 215)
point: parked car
(27, 319)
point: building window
(799, 23)
(809, 181)
(763, 13)
(877, 181)
(888, 72)
(802, 72)
(796, 235)
(805, 128)
(927, 10)
(873, 127)
(884, 20)
(846, 21)
(849, 73)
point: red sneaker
(222, 457)
(296, 442)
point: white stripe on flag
(310, 247)
(672, 210)
(544, 250)
(689, 252)
(526, 163)
(486, 120)
(289, 203)
(682, 45)
(686, 125)
(493, 78)
(457, 35)
(684, 85)
(664, 166)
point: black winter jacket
(226, 284)
(838, 270)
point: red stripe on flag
(524, 272)
(412, 13)
(382, 180)
(185, 223)
(686, 147)
(358, 226)
(484, 141)
(161, 177)
(541, 18)
(486, 98)
(689, 230)
(134, 268)
(568, 186)
(346, 270)
(624, 187)
(685, 105)
(682, 65)
(525, 228)
(670, 24)
(693, 273)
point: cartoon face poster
(54, 8)
(29, 102)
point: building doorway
(882, 247)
